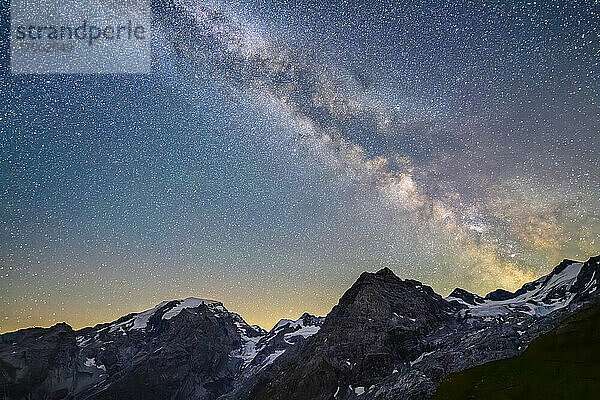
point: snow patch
(272, 357)
(305, 331)
(300, 329)
(82, 341)
(420, 358)
(91, 362)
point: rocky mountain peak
(562, 265)
(467, 297)
(386, 272)
(499, 294)
(383, 294)
(394, 338)
(305, 320)
(386, 338)
(383, 275)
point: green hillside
(563, 364)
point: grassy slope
(563, 364)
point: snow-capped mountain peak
(167, 310)
(304, 321)
(386, 338)
(260, 352)
(538, 298)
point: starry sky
(279, 148)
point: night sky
(280, 148)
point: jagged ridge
(386, 338)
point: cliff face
(38, 362)
(376, 325)
(392, 338)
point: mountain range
(387, 338)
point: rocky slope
(376, 325)
(181, 349)
(387, 338)
(396, 339)
(562, 364)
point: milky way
(278, 149)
